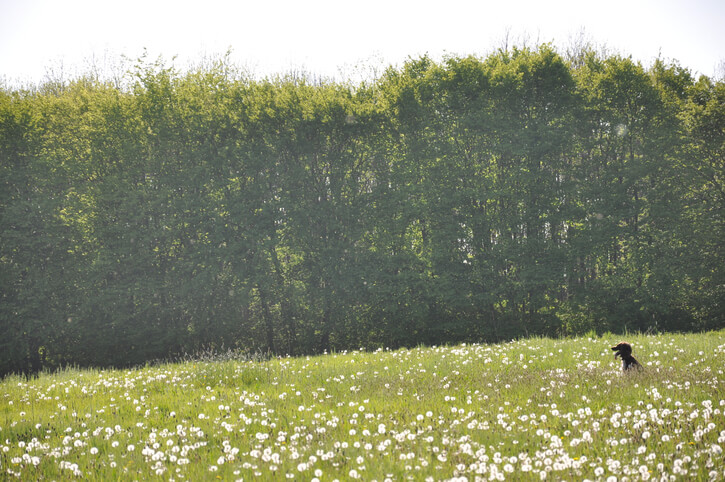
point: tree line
(468, 199)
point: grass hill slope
(526, 410)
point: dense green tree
(464, 200)
(625, 178)
(701, 189)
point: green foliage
(467, 200)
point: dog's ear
(623, 347)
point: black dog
(624, 351)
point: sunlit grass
(525, 410)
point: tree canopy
(472, 199)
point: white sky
(322, 36)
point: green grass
(524, 410)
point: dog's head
(623, 349)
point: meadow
(530, 409)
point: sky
(329, 38)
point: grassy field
(527, 410)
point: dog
(624, 351)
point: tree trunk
(269, 328)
